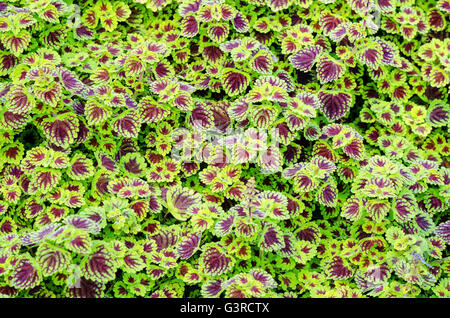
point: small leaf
(214, 260)
(352, 209)
(25, 274)
(52, 259)
(80, 167)
(305, 58)
(277, 5)
(189, 26)
(19, 100)
(328, 69)
(127, 125)
(335, 105)
(61, 131)
(99, 266)
(188, 245)
(234, 81)
(16, 43)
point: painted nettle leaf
(214, 148)
(213, 260)
(25, 273)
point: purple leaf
(272, 238)
(25, 274)
(214, 260)
(288, 248)
(19, 100)
(377, 273)
(79, 243)
(443, 231)
(354, 149)
(264, 277)
(262, 63)
(224, 225)
(327, 195)
(61, 131)
(188, 245)
(212, 53)
(99, 266)
(377, 209)
(180, 200)
(386, 6)
(238, 110)
(201, 118)
(85, 288)
(127, 125)
(234, 82)
(277, 5)
(337, 270)
(303, 183)
(189, 26)
(335, 105)
(352, 209)
(439, 115)
(70, 81)
(82, 223)
(165, 239)
(329, 70)
(305, 58)
(218, 33)
(240, 23)
(133, 263)
(403, 210)
(212, 288)
(52, 259)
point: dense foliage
(224, 148)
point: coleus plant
(222, 148)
